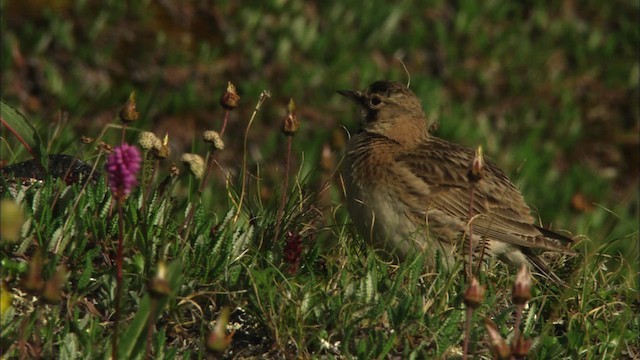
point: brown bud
(520, 347)
(230, 98)
(498, 346)
(290, 123)
(86, 139)
(128, 113)
(218, 341)
(477, 166)
(52, 292)
(474, 295)
(522, 286)
(34, 282)
(159, 286)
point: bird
(409, 191)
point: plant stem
(471, 192)
(467, 332)
(283, 198)
(119, 256)
(203, 184)
(124, 130)
(516, 326)
(152, 315)
(224, 123)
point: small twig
(263, 97)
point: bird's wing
(443, 169)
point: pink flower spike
(122, 170)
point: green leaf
(21, 128)
(133, 339)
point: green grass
(549, 91)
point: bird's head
(388, 107)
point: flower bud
(520, 347)
(128, 113)
(34, 283)
(230, 98)
(474, 295)
(498, 346)
(52, 292)
(522, 286)
(477, 166)
(159, 286)
(290, 123)
(218, 341)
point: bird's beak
(355, 96)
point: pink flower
(293, 251)
(122, 167)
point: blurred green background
(549, 89)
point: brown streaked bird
(409, 191)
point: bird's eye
(375, 101)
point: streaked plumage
(409, 191)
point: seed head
(148, 140)
(212, 137)
(194, 163)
